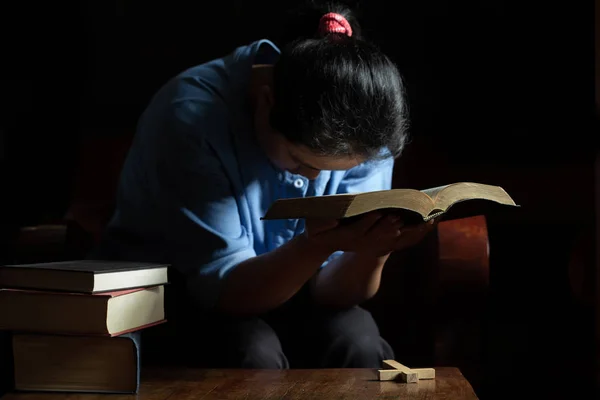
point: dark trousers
(298, 334)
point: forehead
(306, 157)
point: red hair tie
(334, 23)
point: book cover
(90, 266)
(83, 276)
(103, 314)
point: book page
(433, 192)
(349, 205)
(454, 193)
(406, 199)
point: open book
(424, 204)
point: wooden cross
(397, 371)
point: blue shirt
(195, 183)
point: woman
(223, 140)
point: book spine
(432, 216)
(136, 339)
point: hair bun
(334, 23)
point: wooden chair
(94, 187)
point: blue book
(86, 364)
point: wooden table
(326, 384)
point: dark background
(500, 82)
(500, 92)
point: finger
(431, 226)
(404, 241)
(420, 231)
(397, 220)
(365, 222)
(435, 221)
(412, 235)
(386, 227)
(412, 229)
(425, 226)
(327, 223)
(319, 225)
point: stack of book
(75, 326)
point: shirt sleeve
(366, 177)
(202, 223)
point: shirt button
(298, 183)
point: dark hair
(336, 94)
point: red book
(107, 314)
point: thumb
(320, 225)
(328, 223)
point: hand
(389, 234)
(412, 235)
(372, 233)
